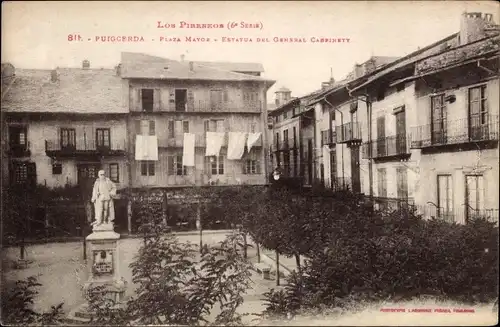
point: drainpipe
(370, 149)
(341, 123)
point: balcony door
(87, 175)
(68, 139)
(474, 196)
(381, 136)
(401, 132)
(355, 172)
(103, 139)
(478, 113)
(438, 120)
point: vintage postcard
(250, 163)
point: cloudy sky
(35, 34)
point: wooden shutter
(156, 100)
(170, 165)
(31, 174)
(171, 129)
(137, 124)
(226, 95)
(171, 100)
(206, 125)
(151, 127)
(144, 168)
(185, 126)
(190, 100)
(138, 99)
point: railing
(341, 184)
(459, 215)
(386, 204)
(17, 150)
(468, 130)
(348, 132)
(328, 137)
(84, 146)
(391, 146)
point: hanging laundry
(214, 143)
(236, 145)
(146, 147)
(252, 140)
(188, 150)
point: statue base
(104, 271)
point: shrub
(17, 305)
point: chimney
(118, 69)
(191, 66)
(85, 64)
(325, 85)
(54, 76)
(473, 26)
(182, 57)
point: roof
(405, 61)
(150, 67)
(77, 91)
(246, 67)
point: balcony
(328, 137)
(200, 141)
(339, 184)
(388, 205)
(460, 215)
(84, 148)
(349, 133)
(472, 130)
(19, 151)
(387, 148)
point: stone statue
(102, 196)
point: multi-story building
(61, 126)
(194, 124)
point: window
(214, 125)
(147, 168)
(285, 135)
(147, 97)
(102, 138)
(145, 127)
(114, 173)
(24, 173)
(56, 169)
(444, 196)
(474, 195)
(215, 165)
(438, 118)
(216, 98)
(402, 182)
(382, 182)
(285, 115)
(252, 127)
(185, 126)
(68, 138)
(251, 164)
(175, 166)
(18, 137)
(478, 113)
(180, 99)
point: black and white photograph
(250, 163)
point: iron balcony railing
(443, 132)
(328, 137)
(348, 132)
(390, 146)
(83, 146)
(19, 150)
(458, 215)
(391, 204)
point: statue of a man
(102, 196)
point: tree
(17, 305)
(176, 285)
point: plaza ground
(62, 272)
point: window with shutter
(147, 168)
(171, 129)
(382, 182)
(185, 125)
(152, 127)
(114, 173)
(206, 125)
(137, 124)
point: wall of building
(471, 160)
(49, 130)
(236, 96)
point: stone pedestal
(103, 266)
